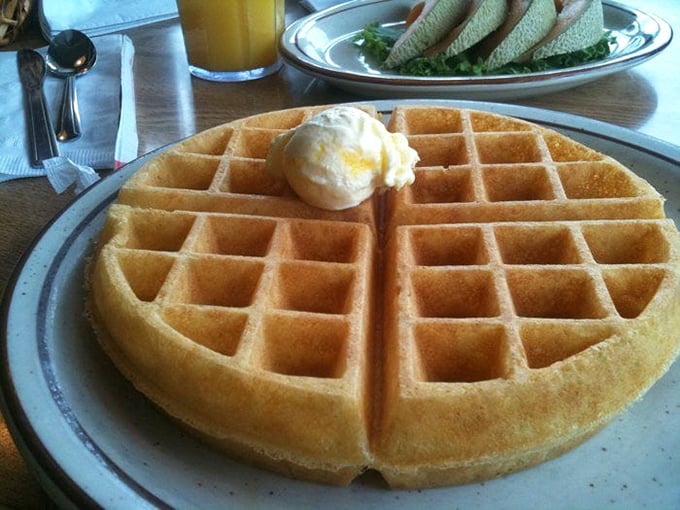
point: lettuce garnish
(375, 42)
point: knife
(43, 144)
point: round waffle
(512, 301)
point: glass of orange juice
(232, 40)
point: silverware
(43, 144)
(70, 54)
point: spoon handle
(68, 126)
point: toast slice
(580, 24)
(527, 23)
(482, 18)
(433, 20)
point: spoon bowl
(71, 53)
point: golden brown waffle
(501, 310)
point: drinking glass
(232, 40)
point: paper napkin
(97, 17)
(107, 115)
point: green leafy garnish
(375, 42)
(460, 64)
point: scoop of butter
(340, 156)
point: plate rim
(63, 486)
(295, 56)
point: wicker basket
(13, 15)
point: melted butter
(356, 164)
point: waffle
(502, 309)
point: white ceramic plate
(95, 440)
(322, 45)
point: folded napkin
(319, 5)
(97, 17)
(107, 115)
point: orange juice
(231, 35)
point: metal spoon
(71, 53)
